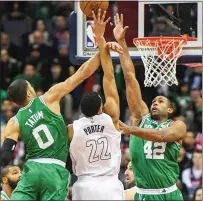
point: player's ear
(170, 110)
(4, 180)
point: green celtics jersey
(154, 163)
(4, 196)
(43, 132)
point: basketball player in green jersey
(154, 144)
(10, 176)
(41, 127)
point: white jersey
(95, 147)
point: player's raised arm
(137, 107)
(56, 92)
(175, 132)
(111, 106)
(11, 134)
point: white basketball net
(159, 58)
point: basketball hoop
(159, 55)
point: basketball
(88, 6)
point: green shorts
(41, 181)
(175, 195)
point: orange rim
(165, 39)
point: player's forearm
(149, 134)
(125, 59)
(90, 66)
(105, 56)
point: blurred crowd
(35, 46)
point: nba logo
(90, 37)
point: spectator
(188, 143)
(13, 50)
(6, 107)
(162, 28)
(198, 194)
(60, 26)
(182, 161)
(64, 60)
(10, 67)
(30, 75)
(40, 26)
(39, 43)
(16, 11)
(182, 98)
(198, 142)
(55, 75)
(192, 177)
(196, 109)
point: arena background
(35, 46)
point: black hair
(90, 104)
(5, 171)
(17, 91)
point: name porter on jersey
(94, 129)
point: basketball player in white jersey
(95, 146)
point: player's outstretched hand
(124, 128)
(119, 31)
(114, 46)
(99, 25)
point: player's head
(129, 176)
(10, 175)
(161, 107)
(91, 104)
(21, 92)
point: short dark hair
(90, 104)
(5, 170)
(17, 91)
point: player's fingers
(125, 28)
(107, 20)
(122, 18)
(99, 15)
(118, 18)
(103, 16)
(115, 20)
(112, 24)
(94, 16)
(109, 45)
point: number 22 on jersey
(154, 153)
(94, 156)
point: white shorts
(98, 188)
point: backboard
(142, 21)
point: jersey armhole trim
(16, 120)
(42, 100)
(143, 120)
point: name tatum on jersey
(34, 119)
(93, 129)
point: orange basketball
(88, 6)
